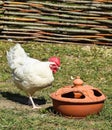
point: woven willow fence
(57, 21)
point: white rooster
(31, 75)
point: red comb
(55, 59)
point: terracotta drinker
(78, 100)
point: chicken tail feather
(16, 56)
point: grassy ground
(92, 63)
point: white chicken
(31, 75)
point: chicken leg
(33, 104)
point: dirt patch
(12, 105)
(17, 101)
(8, 104)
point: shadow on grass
(52, 111)
(22, 99)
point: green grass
(92, 63)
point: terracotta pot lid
(78, 93)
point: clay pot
(78, 100)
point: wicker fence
(57, 21)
